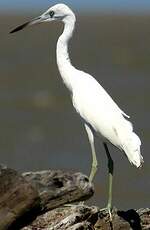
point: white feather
(89, 98)
(98, 109)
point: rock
(57, 187)
(125, 220)
(66, 218)
(35, 200)
(24, 197)
(83, 217)
(17, 197)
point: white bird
(97, 109)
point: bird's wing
(98, 109)
(88, 93)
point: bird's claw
(107, 210)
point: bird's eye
(51, 13)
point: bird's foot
(107, 209)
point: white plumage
(98, 110)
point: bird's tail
(131, 145)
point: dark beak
(32, 22)
(19, 27)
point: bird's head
(59, 12)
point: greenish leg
(94, 159)
(110, 174)
(94, 164)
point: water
(39, 129)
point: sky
(125, 5)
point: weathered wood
(36, 199)
(17, 197)
(24, 197)
(83, 217)
(68, 218)
(56, 187)
(125, 220)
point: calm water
(38, 126)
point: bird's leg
(110, 173)
(94, 159)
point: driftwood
(17, 197)
(56, 187)
(73, 217)
(82, 217)
(35, 200)
(24, 197)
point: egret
(100, 114)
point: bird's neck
(63, 61)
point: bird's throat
(63, 61)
